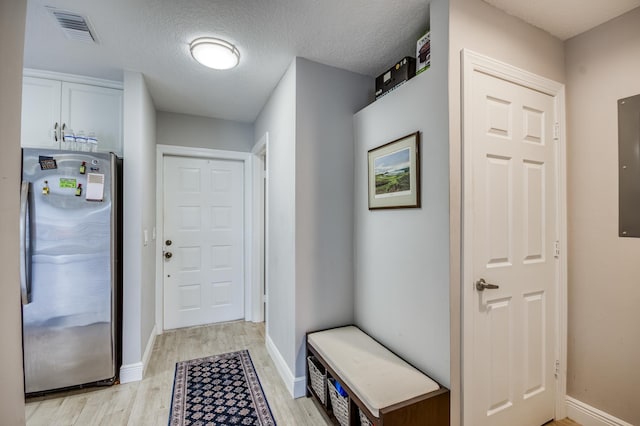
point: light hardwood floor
(147, 402)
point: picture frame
(394, 174)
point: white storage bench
(381, 388)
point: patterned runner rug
(219, 390)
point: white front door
(512, 213)
(204, 241)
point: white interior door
(204, 234)
(511, 158)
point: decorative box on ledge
(423, 53)
(395, 76)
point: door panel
(534, 341)
(500, 355)
(203, 213)
(513, 227)
(499, 215)
(534, 218)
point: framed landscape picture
(394, 174)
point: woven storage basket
(364, 420)
(318, 379)
(339, 404)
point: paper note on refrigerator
(95, 187)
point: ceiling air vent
(74, 26)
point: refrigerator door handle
(25, 249)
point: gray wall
(604, 289)
(148, 150)
(278, 117)
(203, 132)
(310, 220)
(139, 215)
(12, 22)
(326, 99)
(402, 256)
(476, 25)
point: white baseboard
(131, 372)
(135, 372)
(295, 385)
(587, 415)
(299, 389)
(148, 350)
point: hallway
(146, 403)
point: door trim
(470, 63)
(215, 154)
(260, 252)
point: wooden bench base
(431, 409)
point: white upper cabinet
(41, 113)
(94, 109)
(49, 107)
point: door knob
(167, 255)
(482, 285)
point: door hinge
(557, 369)
(556, 249)
(556, 131)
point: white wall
(604, 292)
(12, 23)
(139, 215)
(278, 117)
(326, 99)
(203, 132)
(402, 256)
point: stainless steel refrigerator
(68, 269)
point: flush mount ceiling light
(215, 53)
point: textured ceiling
(152, 37)
(565, 18)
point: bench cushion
(377, 376)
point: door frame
(213, 154)
(261, 230)
(470, 63)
